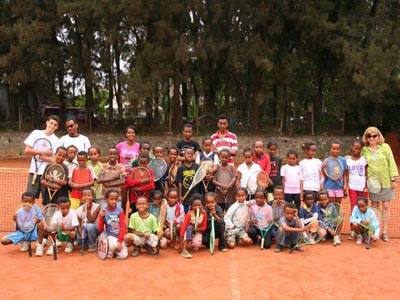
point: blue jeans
(92, 231)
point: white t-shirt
(216, 158)
(246, 172)
(70, 220)
(292, 176)
(356, 173)
(30, 141)
(310, 170)
(81, 142)
(79, 211)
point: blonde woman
(381, 163)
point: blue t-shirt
(331, 184)
(112, 220)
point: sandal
(186, 254)
(385, 237)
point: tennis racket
(173, 169)
(26, 222)
(315, 233)
(111, 177)
(262, 180)
(251, 184)
(210, 163)
(333, 216)
(39, 144)
(212, 236)
(171, 224)
(334, 170)
(55, 172)
(258, 220)
(198, 177)
(196, 219)
(51, 228)
(374, 184)
(371, 228)
(103, 245)
(84, 228)
(159, 167)
(154, 209)
(140, 173)
(224, 176)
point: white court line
(234, 279)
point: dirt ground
(322, 271)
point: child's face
(158, 152)
(157, 199)
(172, 198)
(292, 159)
(145, 148)
(278, 195)
(112, 200)
(324, 200)
(260, 199)
(362, 207)
(71, 154)
(87, 197)
(113, 155)
(82, 160)
(172, 155)
(27, 200)
(309, 200)
(289, 213)
(188, 155)
(94, 155)
(311, 152)
(258, 147)
(196, 204)
(187, 133)
(64, 207)
(335, 150)
(207, 144)
(356, 149)
(143, 162)
(142, 205)
(130, 134)
(272, 150)
(241, 196)
(60, 156)
(51, 125)
(222, 125)
(224, 157)
(247, 157)
(210, 203)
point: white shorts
(113, 247)
(140, 241)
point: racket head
(252, 182)
(103, 246)
(41, 144)
(55, 171)
(199, 176)
(262, 180)
(154, 209)
(140, 173)
(159, 167)
(374, 184)
(173, 170)
(26, 217)
(240, 216)
(111, 175)
(224, 175)
(334, 168)
(208, 162)
(48, 213)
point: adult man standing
(80, 141)
(224, 139)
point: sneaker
(76, 243)
(91, 250)
(24, 246)
(385, 237)
(135, 252)
(335, 242)
(278, 248)
(359, 239)
(39, 250)
(339, 242)
(352, 235)
(50, 251)
(58, 243)
(69, 248)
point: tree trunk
(283, 125)
(318, 99)
(149, 111)
(185, 100)
(225, 108)
(176, 105)
(61, 98)
(255, 109)
(89, 100)
(117, 53)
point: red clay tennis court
(348, 271)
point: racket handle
(34, 178)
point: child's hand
(62, 227)
(365, 222)
(145, 181)
(146, 236)
(48, 177)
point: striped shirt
(229, 141)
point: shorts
(233, 234)
(75, 203)
(18, 236)
(140, 241)
(62, 237)
(335, 193)
(34, 188)
(190, 235)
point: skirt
(386, 194)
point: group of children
(297, 196)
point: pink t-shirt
(292, 176)
(127, 153)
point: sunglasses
(70, 126)
(372, 136)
